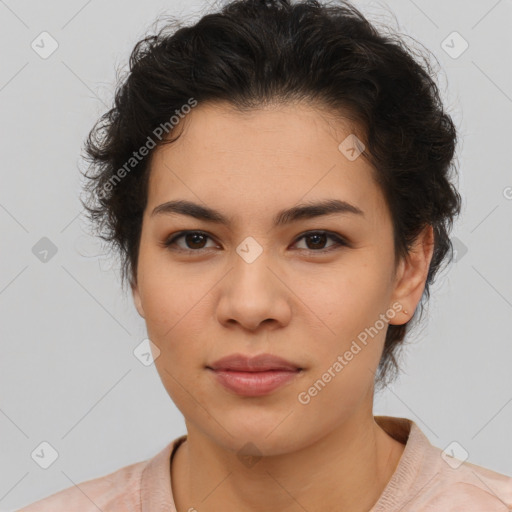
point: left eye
(196, 240)
(319, 238)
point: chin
(263, 440)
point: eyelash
(339, 242)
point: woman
(276, 179)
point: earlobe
(137, 300)
(413, 274)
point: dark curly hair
(255, 52)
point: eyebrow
(287, 216)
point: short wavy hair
(255, 52)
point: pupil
(318, 236)
(195, 237)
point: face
(308, 289)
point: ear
(136, 299)
(411, 275)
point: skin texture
(295, 300)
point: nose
(253, 295)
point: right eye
(194, 241)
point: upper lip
(259, 363)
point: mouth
(254, 376)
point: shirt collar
(156, 491)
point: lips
(259, 363)
(254, 376)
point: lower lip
(254, 383)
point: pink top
(423, 481)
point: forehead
(267, 157)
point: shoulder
(115, 492)
(428, 479)
(467, 487)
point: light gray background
(68, 375)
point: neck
(347, 469)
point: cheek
(348, 296)
(175, 322)
(350, 304)
(165, 299)
(173, 326)
(180, 365)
